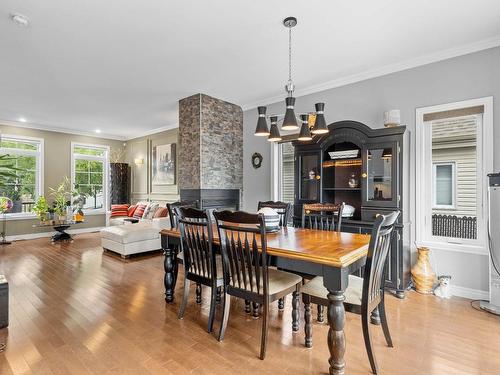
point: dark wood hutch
(362, 167)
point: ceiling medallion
(311, 123)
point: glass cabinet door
(380, 174)
(310, 177)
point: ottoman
(131, 239)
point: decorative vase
(422, 272)
(353, 181)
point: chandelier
(311, 123)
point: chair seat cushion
(352, 294)
(130, 233)
(218, 264)
(278, 281)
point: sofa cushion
(119, 210)
(150, 211)
(130, 233)
(139, 211)
(131, 210)
(161, 212)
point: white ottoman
(131, 238)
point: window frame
(453, 185)
(39, 169)
(105, 160)
(422, 231)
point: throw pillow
(139, 211)
(131, 209)
(150, 211)
(119, 210)
(161, 212)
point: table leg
(169, 278)
(336, 336)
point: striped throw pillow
(139, 211)
(131, 210)
(119, 210)
(161, 212)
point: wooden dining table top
(337, 249)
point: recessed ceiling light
(22, 119)
(98, 131)
(20, 20)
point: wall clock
(256, 160)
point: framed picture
(164, 164)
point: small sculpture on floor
(443, 290)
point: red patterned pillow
(161, 212)
(131, 210)
(139, 211)
(119, 210)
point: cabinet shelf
(342, 189)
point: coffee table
(60, 228)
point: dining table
(333, 255)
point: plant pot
(422, 272)
(61, 218)
(17, 206)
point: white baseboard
(31, 236)
(469, 293)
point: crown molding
(385, 70)
(153, 131)
(31, 125)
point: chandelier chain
(290, 54)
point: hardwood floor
(74, 310)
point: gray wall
(461, 78)
(141, 186)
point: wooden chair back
(380, 244)
(171, 210)
(283, 209)
(195, 227)
(245, 267)
(322, 216)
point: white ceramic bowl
(271, 216)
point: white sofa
(126, 238)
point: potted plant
(61, 195)
(41, 208)
(79, 202)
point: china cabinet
(362, 167)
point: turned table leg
(169, 277)
(336, 336)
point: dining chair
(245, 268)
(363, 294)
(282, 208)
(322, 216)
(201, 264)
(179, 257)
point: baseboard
(32, 236)
(469, 293)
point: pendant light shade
(262, 130)
(290, 121)
(320, 123)
(305, 133)
(275, 133)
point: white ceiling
(122, 65)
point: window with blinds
(287, 168)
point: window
(282, 173)
(25, 185)
(89, 174)
(444, 185)
(454, 154)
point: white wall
(465, 77)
